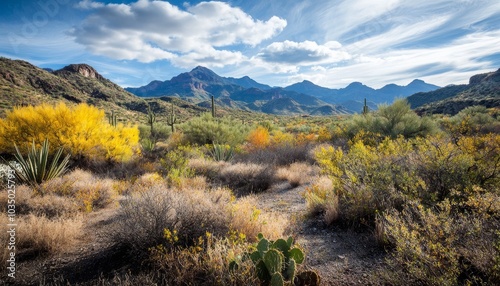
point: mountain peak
(205, 74)
(201, 69)
(355, 84)
(83, 69)
(416, 81)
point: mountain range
(23, 83)
(201, 83)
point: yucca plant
(221, 152)
(37, 168)
(148, 145)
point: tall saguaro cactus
(213, 107)
(365, 108)
(151, 119)
(112, 118)
(172, 119)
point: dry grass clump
(321, 199)
(249, 220)
(89, 191)
(297, 173)
(242, 178)
(49, 205)
(196, 182)
(23, 197)
(247, 178)
(318, 194)
(205, 264)
(206, 167)
(143, 182)
(144, 216)
(41, 235)
(52, 206)
(4, 236)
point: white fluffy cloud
(152, 30)
(303, 53)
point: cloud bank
(147, 31)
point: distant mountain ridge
(353, 95)
(201, 83)
(483, 89)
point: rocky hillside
(483, 89)
(22, 83)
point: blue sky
(329, 42)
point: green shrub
(175, 164)
(470, 121)
(368, 179)
(391, 121)
(444, 245)
(424, 245)
(208, 130)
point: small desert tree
(391, 121)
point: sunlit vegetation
(184, 203)
(82, 130)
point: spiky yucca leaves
(37, 167)
(222, 152)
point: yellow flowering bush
(82, 130)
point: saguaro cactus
(172, 119)
(151, 119)
(112, 118)
(213, 107)
(365, 108)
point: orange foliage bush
(259, 137)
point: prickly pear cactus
(297, 254)
(277, 280)
(308, 277)
(274, 261)
(290, 270)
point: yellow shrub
(328, 159)
(303, 138)
(324, 135)
(82, 130)
(424, 242)
(282, 138)
(259, 137)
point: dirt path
(342, 257)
